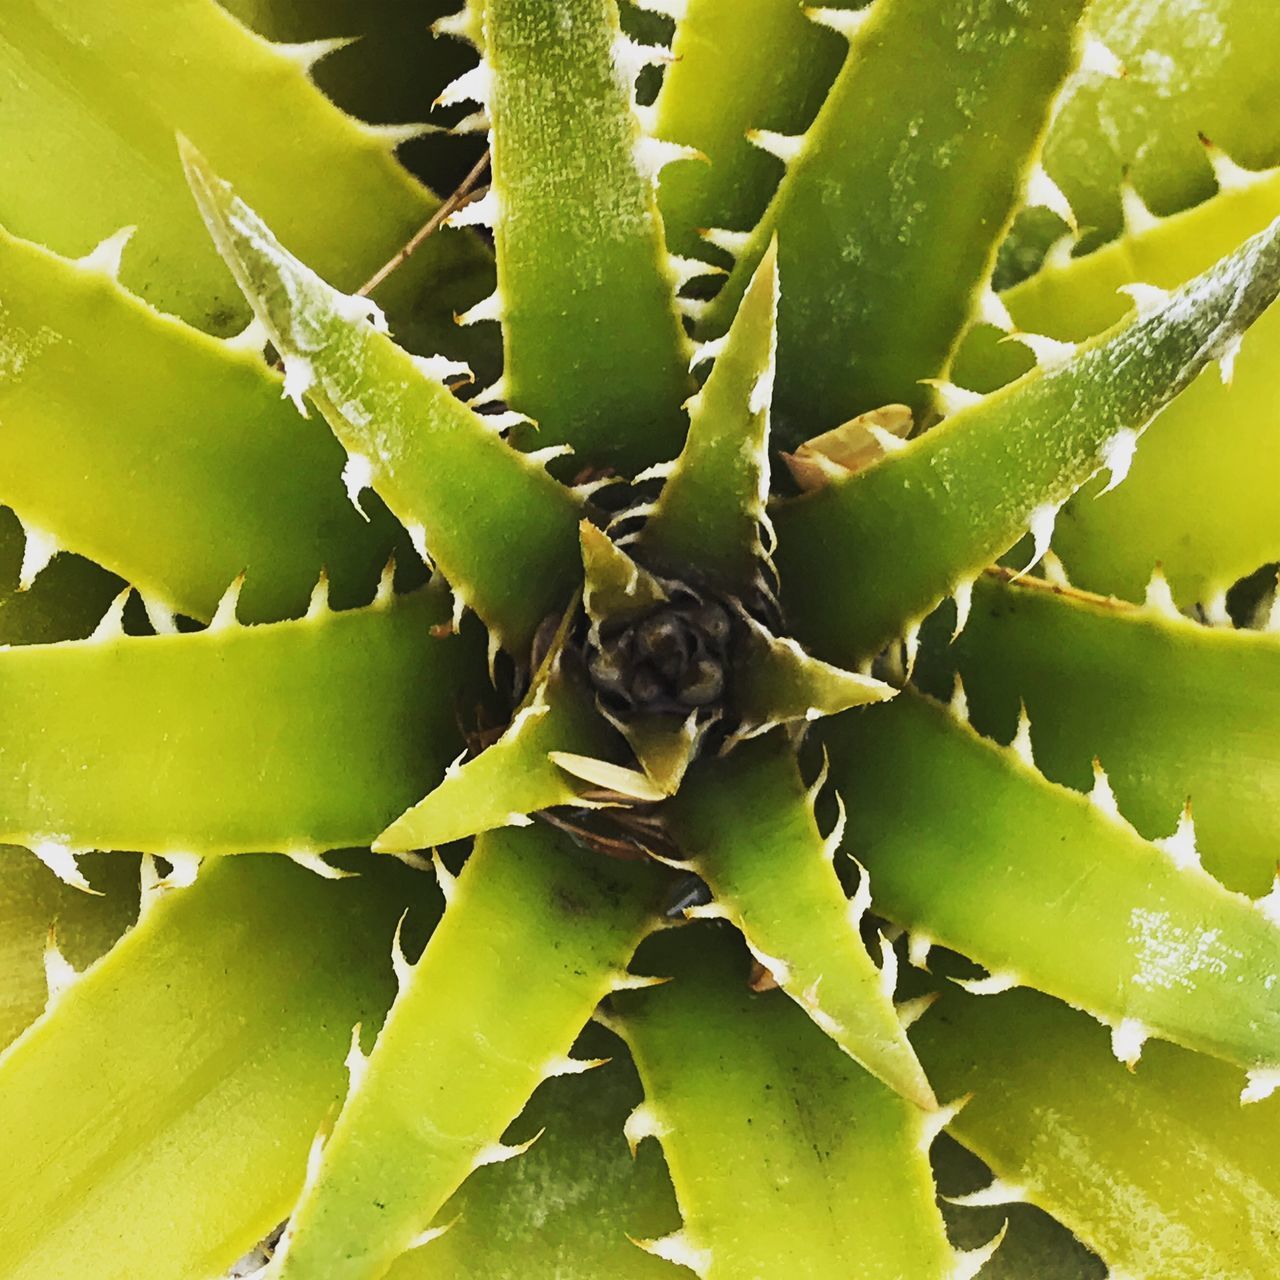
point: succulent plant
(721, 792)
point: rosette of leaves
(642, 876)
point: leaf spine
(224, 616)
(489, 308)
(962, 594)
(59, 973)
(1137, 217)
(1118, 452)
(1044, 193)
(996, 1192)
(734, 243)
(1260, 1084)
(844, 22)
(679, 1249)
(643, 1122)
(1229, 175)
(107, 255)
(1181, 845)
(61, 860)
(1127, 1038)
(1097, 59)
(307, 53)
(313, 861)
(38, 551)
(782, 146)
(967, 1264)
(445, 878)
(111, 625)
(474, 85)
(500, 1152)
(1159, 595)
(995, 983)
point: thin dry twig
(463, 195)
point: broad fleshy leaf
(500, 528)
(167, 455)
(476, 1028)
(594, 348)
(1172, 710)
(896, 196)
(787, 1157)
(737, 65)
(866, 557)
(96, 95)
(1161, 1170)
(217, 1029)
(745, 825)
(295, 737)
(1200, 497)
(970, 847)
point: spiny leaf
(1175, 71)
(567, 1207)
(1201, 495)
(746, 825)
(1171, 709)
(1161, 1170)
(970, 846)
(96, 93)
(516, 775)
(896, 197)
(711, 508)
(295, 737)
(218, 1027)
(787, 1157)
(475, 1029)
(778, 683)
(595, 353)
(737, 65)
(32, 902)
(167, 455)
(500, 528)
(865, 557)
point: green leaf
(972, 848)
(895, 198)
(295, 737)
(501, 529)
(1183, 70)
(1172, 710)
(737, 65)
(1200, 498)
(167, 455)
(96, 95)
(34, 906)
(867, 556)
(778, 683)
(217, 1029)
(516, 775)
(745, 824)
(712, 506)
(787, 1157)
(567, 1207)
(595, 352)
(476, 1027)
(1161, 1170)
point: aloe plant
(608, 808)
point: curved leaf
(745, 825)
(96, 95)
(535, 934)
(1172, 710)
(867, 556)
(295, 737)
(895, 198)
(971, 847)
(167, 455)
(218, 1027)
(503, 532)
(1160, 1170)
(787, 1157)
(1200, 497)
